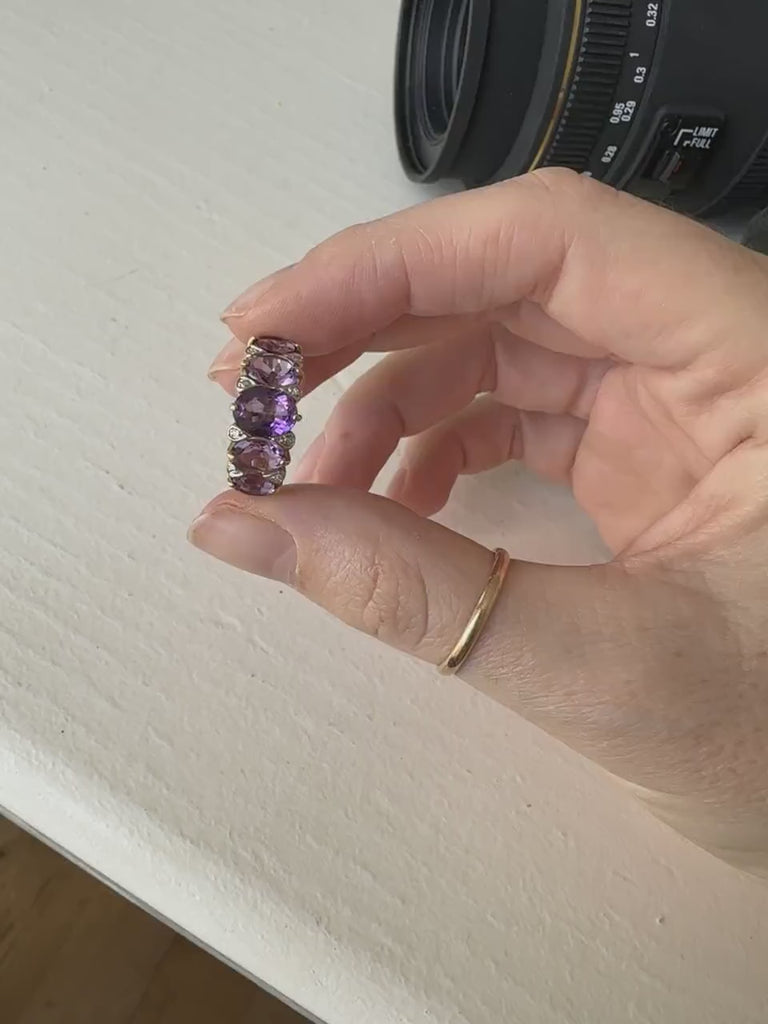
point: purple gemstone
(277, 346)
(257, 454)
(274, 371)
(262, 412)
(256, 484)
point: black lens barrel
(489, 53)
(667, 98)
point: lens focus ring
(597, 70)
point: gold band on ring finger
(480, 615)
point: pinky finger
(485, 435)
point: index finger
(634, 281)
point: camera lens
(443, 38)
(666, 98)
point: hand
(615, 346)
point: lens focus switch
(679, 148)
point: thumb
(574, 649)
(625, 663)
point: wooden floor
(74, 952)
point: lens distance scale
(641, 46)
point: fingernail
(229, 359)
(244, 303)
(305, 469)
(246, 541)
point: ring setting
(265, 413)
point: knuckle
(555, 179)
(564, 185)
(366, 254)
(352, 239)
(392, 602)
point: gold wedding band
(479, 617)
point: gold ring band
(479, 617)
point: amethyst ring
(265, 413)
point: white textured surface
(373, 842)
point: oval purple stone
(277, 346)
(256, 484)
(263, 412)
(274, 371)
(259, 454)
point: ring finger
(485, 435)
(409, 392)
